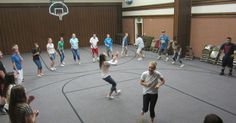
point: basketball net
(60, 17)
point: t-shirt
(108, 41)
(139, 42)
(105, 68)
(151, 79)
(50, 48)
(93, 41)
(60, 45)
(21, 111)
(15, 58)
(35, 50)
(228, 48)
(74, 43)
(164, 39)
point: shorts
(139, 50)
(227, 61)
(52, 56)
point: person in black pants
(151, 80)
(228, 49)
(2, 83)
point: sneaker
(118, 92)
(222, 73)
(94, 60)
(39, 75)
(126, 55)
(52, 69)
(97, 58)
(79, 62)
(139, 59)
(3, 111)
(158, 57)
(173, 62)
(167, 59)
(110, 97)
(182, 65)
(62, 65)
(143, 56)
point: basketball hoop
(59, 9)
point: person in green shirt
(60, 47)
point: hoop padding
(58, 5)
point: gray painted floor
(76, 93)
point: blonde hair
(153, 63)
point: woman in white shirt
(51, 53)
(151, 80)
(104, 67)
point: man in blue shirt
(108, 43)
(164, 45)
(17, 60)
(75, 47)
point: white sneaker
(118, 92)
(94, 60)
(79, 62)
(97, 58)
(139, 59)
(126, 55)
(173, 62)
(158, 57)
(110, 97)
(167, 59)
(39, 75)
(52, 69)
(143, 56)
(62, 65)
(182, 65)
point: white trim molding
(224, 8)
(167, 11)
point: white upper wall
(145, 2)
(225, 8)
(67, 1)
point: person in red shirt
(228, 49)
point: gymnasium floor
(76, 93)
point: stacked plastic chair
(214, 55)
(189, 53)
(206, 52)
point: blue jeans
(52, 56)
(62, 55)
(112, 82)
(75, 53)
(38, 63)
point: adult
(51, 53)
(19, 108)
(108, 43)
(140, 44)
(164, 45)
(151, 80)
(17, 62)
(212, 118)
(60, 47)
(94, 48)
(228, 49)
(36, 52)
(75, 47)
(2, 84)
(104, 65)
(125, 41)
